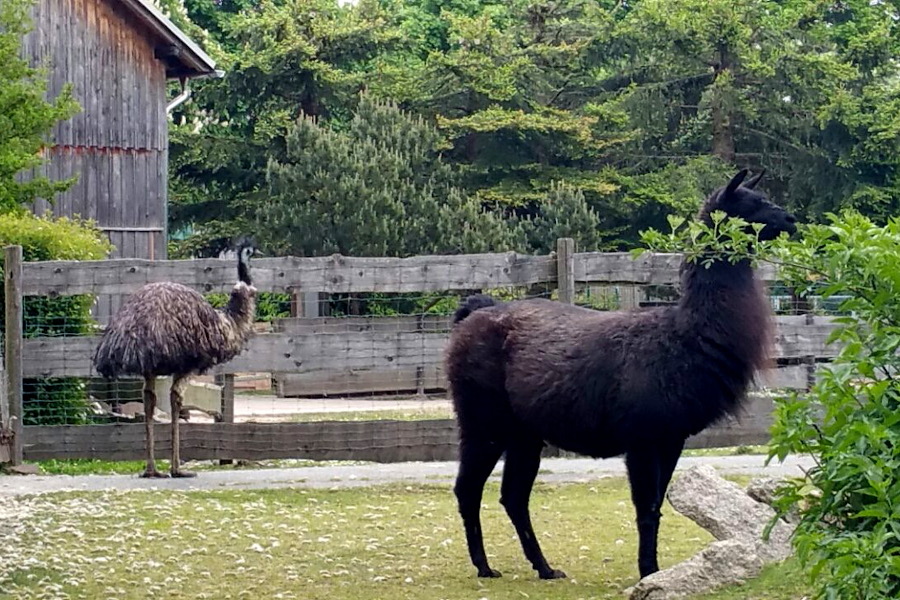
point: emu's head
(245, 249)
(741, 199)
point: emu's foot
(183, 474)
(488, 572)
(551, 574)
(153, 474)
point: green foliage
(25, 116)
(642, 105)
(728, 238)
(55, 400)
(850, 422)
(564, 213)
(377, 187)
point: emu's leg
(176, 400)
(477, 459)
(649, 472)
(523, 458)
(149, 409)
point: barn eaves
(183, 58)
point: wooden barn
(119, 56)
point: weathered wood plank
(334, 274)
(13, 351)
(649, 269)
(338, 345)
(343, 382)
(381, 441)
(565, 269)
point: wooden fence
(332, 351)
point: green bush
(849, 532)
(54, 400)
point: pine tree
(376, 187)
(25, 116)
(564, 212)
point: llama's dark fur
(606, 384)
(166, 329)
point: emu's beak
(258, 253)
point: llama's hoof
(183, 474)
(552, 574)
(489, 573)
(153, 474)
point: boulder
(725, 510)
(735, 519)
(720, 564)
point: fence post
(565, 269)
(227, 406)
(12, 272)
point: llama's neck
(725, 305)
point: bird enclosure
(334, 333)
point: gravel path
(552, 470)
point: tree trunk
(722, 133)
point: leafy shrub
(849, 532)
(54, 400)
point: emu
(170, 329)
(606, 384)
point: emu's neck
(241, 309)
(724, 305)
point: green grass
(92, 466)
(386, 542)
(105, 467)
(396, 542)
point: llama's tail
(471, 304)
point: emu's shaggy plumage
(167, 328)
(605, 384)
(170, 329)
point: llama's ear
(735, 182)
(751, 183)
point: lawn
(385, 542)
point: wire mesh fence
(338, 339)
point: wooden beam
(13, 350)
(332, 345)
(649, 269)
(565, 269)
(380, 441)
(332, 274)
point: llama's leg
(523, 458)
(477, 459)
(649, 472)
(176, 400)
(149, 409)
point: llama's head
(741, 199)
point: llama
(170, 329)
(606, 384)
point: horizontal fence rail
(341, 274)
(333, 355)
(334, 274)
(347, 344)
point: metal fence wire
(338, 339)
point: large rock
(720, 564)
(725, 510)
(764, 489)
(731, 516)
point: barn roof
(182, 56)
